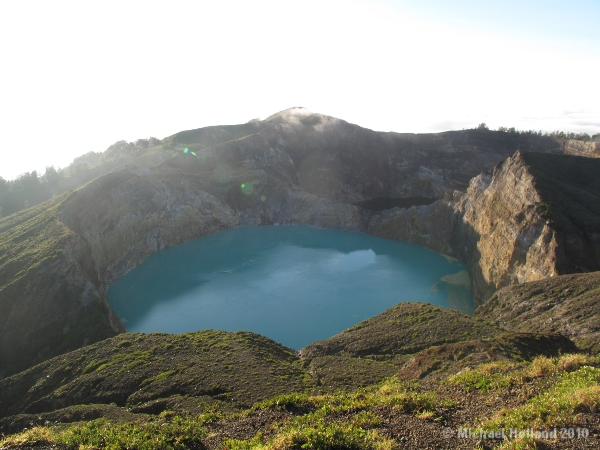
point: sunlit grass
(518, 444)
(168, 435)
(493, 376)
(314, 430)
(575, 392)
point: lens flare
(193, 154)
(185, 150)
(263, 198)
(247, 188)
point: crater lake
(294, 284)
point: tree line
(556, 135)
(31, 188)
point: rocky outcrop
(580, 148)
(125, 216)
(434, 226)
(535, 216)
(506, 238)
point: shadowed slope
(143, 371)
(568, 304)
(404, 329)
(569, 187)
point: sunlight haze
(79, 76)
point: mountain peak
(296, 111)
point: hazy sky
(77, 76)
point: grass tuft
(560, 405)
(493, 376)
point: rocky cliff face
(532, 218)
(125, 216)
(580, 148)
(507, 240)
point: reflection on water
(295, 285)
(348, 262)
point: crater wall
(521, 222)
(512, 225)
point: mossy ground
(542, 394)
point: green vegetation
(556, 135)
(311, 431)
(241, 390)
(573, 393)
(492, 376)
(31, 188)
(29, 239)
(399, 330)
(556, 392)
(177, 433)
(499, 375)
(137, 371)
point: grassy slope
(436, 362)
(31, 241)
(28, 238)
(196, 390)
(404, 329)
(376, 348)
(142, 372)
(35, 268)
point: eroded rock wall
(125, 216)
(580, 148)
(497, 228)
(506, 238)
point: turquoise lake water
(295, 285)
